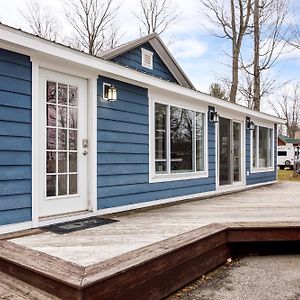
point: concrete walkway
(279, 203)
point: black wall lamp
(249, 124)
(110, 92)
(213, 115)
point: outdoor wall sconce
(213, 115)
(109, 92)
(250, 124)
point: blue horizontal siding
(15, 138)
(133, 59)
(260, 177)
(123, 153)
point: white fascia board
(40, 46)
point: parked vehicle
(286, 156)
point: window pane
(51, 162)
(51, 115)
(264, 147)
(72, 140)
(62, 116)
(51, 92)
(73, 118)
(237, 152)
(200, 142)
(62, 139)
(254, 147)
(62, 162)
(271, 148)
(73, 162)
(72, 184)
(51, 138)
(62, 94)
(160, 138)
(73, 95)
(62, 185)
(51, 186)
(181, 132)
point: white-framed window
(262, 149)
(147, 59)
(179, 143)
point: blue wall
(123, 152)
(262, 177)
(15, 137)
(133, 59)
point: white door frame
(91, 76)
(234, 185)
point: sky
(200, 53)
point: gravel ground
(248, 278)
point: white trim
(254, 170)
(153, 177)
(11, 38)
(16, 227)
(35, 145)
(144, 63)
(92, 137)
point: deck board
(275, 203)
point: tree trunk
(256, 71)
(234, 73)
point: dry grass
(287, 175)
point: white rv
(286, 156)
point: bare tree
(269, 41)
(156, 16)
(233, 20)
(40, 20)
(94, 24)
(288, 107)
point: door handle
(85, 153)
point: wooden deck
(150, 254)
(275, 203)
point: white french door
(230, 152)
(64, 144)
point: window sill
(178, 176)
(261, 170)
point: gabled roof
(155, 41)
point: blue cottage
(83, 135)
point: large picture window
(179, 140)
(262, 147)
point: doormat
(77, 225)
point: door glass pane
(51, 162)
(224, 151)
(160, 138)
(51, 115)
(62, 162)
(254, 147)
(51, 138)
(236, 152)
(181, 133)
(73, 184)
(51, 186)
(61, 135)
(51, 92)
(62, 185)
(62, 94)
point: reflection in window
(262, 147)
(160, 138)
(182, 132)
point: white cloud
(188, 48)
